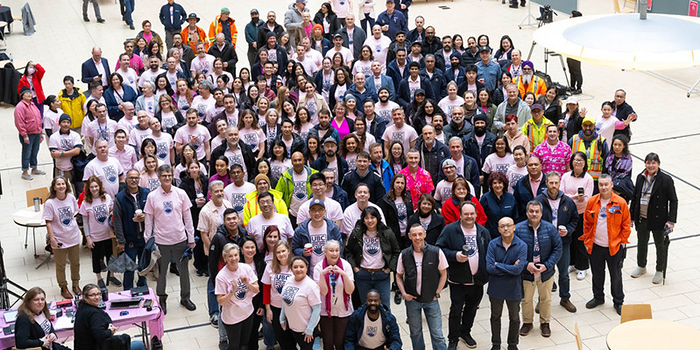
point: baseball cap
(572, 99)
(484, 48)
(330, 139)
(316, 201)
(537, 106)
(588, 120)
(448, 162)
(254, 11)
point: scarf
(346, 296)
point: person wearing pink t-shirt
(301, 306)
(276, 274)
(95, 209)
(236, 284)
(63, 232)
(169, 222)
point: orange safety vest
(202, 37)
(594, 154)
(537, 86)
(215, 28)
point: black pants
(599, 257)
(513, 320)
(239, 334)
(101, 253)
(299, 340)
(643, 246)
(253, 342)
(284, 337)
(579, 254)
(575, 73)
(464, 303)
(201, 261)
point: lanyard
(646, 189)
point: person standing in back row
(172, 16)
(96, 6)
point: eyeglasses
(93, 295)
(505, 226)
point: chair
(15, 348)
(577, 334)
(631, 312)
(624, 9)
(42, 193)
(3, 24)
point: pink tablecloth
(153, 319)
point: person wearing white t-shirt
(606, 125)
(383, 110)
(295, 185)
(235, 192)
(354, 211)
(334, 211)
(399, 132)
(268, 217)
(317, 230)
(372, 326)
(164, 143)
(127, 122)
(424, 267)
(203, 63)
(108, 169)
(100, 128)
(153, 71)
(379, 44)
(450, 101)
(127, 73)
(63, 145)
(338, 47)
(140, 131)
(125, 155)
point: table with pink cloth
(150, 323)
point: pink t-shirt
(252, 137)
(496, 164)
(108, 171)
(126, 157)
(97, 214)
(168, 210)
(60, 213)
(276, 282)
(299, 297)
(258, 223)
(337, 299)
(196, 136)
(164, 143)
(371, 251)
(240, 306)
(64, 143)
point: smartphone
(580, 190)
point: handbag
(121, 264)
(625, 187)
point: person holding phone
(578, 185)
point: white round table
(653, 335)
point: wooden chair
(624, 9)
(15, 348)
(43, 193)
(577, 334)
(631, 312)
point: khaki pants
(544, 291)
(73, 254)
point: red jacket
(27, 119)
(450, 211)
(37, 82)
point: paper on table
(63, 322)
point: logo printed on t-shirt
(318, 241)
(241, 290)
(401, 210)
(67, 144)
(288, 294)
(250, 139)
(65, 215)
(300, 189)
(238, 201)
(371, 331)
(162, 150)
(110, 173)
(279, 280)
(168, 207)
(371, 245)
(397, 136)
(101, 213)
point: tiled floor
(667, 125)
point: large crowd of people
(347, 162)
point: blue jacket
(356, 325)
(386, 82)
(113, 106)
(125, 229)
(392, 70)
(396, 22)
(251, 33)
(361, 97)
(505, 282)
(301, 237)
(567, 214)
(496, 209)
(179, 17)
(404, 93)
(340, 196)
(523, 194)
(387, 174)
(491, 74)
(89, 71)
(438, 82)
(550, 247)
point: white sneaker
(638, 271)
(658, 277)
(571, 268)
(581, 275)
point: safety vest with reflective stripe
(593, 153)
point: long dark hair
(307, 153)
(279, 143)
(393, 194)
(374, 212)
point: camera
(546, 14)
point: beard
(527, 78)
(480, 130)
(587, 133)
(438, 127)
(330, 154)
(255, 20)
(383, 99)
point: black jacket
(91, 327)
(321, 163)
(216, 247)
(567, 214)
(297, 144)
(430, 275)
(262, 36)
(173, 129)
(553, 112)
(28, 333)
(471, 147)
(437, 224)
(228, 55)
(621, 112)
(371, 179)
(431, 160)
(451, 241)
(573, 126)
(387, 241)
(187, 184)
(332, 19)
(391, 215)
(663, 202)
(248, 158)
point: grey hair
(329, 242)
(604, 177)
(215, 183)
(149, 84)
(206, 84)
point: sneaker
(113, 280)
(568, 305)
(581, 275)
(452, 345)
(27, 177)
(38, 172)
(131, 26)
(545, 330)
(572, 268)
(397, 298)
(525, 329)
(577, 92)
(593, 303)
(101, 283)
(658, 277)
(214, 321)
(223, 345)
(469, 341)
(638, 272)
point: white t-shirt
(496, 164)
(196, 136)
(380, 48)
(514, 174)
(402, 214)
(418, 256)
(447, 105)
(337, 299)
(443, 190)
(236, 157)
(299, 193)
(240, 306)
(64, 143)
(203, 105)
(276, 282)
(252, 138)
(168, 120)
(347, 55)
(334, 212)
(601, 228)
(257, 225)
(372, 335)
(405, 135)
(606, 128)
(352, 215)
(236, 195)
(277, 168)
(299, 297)
(364, 67)
(129, 77)
(149, 75)
(108, 171)
(318, 238)
(60, 213)
(101, 131)
(127, 124)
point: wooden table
(653, 334)
(29, 218)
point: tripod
(548, 53)
(4, 282)
(528, 18)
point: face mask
(479, 130)
(154, 66)
(31, 70)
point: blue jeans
(128, 9)
(213, 305)
(415, 323)
(133, 252)
(138, 345)
(29, 151)
(364, 21)
(563, 267)
(268, 334)
(380, 280)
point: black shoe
(100, 20)
(522, 4)
(554, 287)
(131, 26)
(48, 248)
(537, 308)
(223, 345)
(173, 269)
(496, 347)
(113, 280)
(206, 273)
(103, 267)
(452, 345)
(577, 92)
(163, 304)
(101, 283)
(591, 304)
(512, 347)
(513, 6)
(397, 298)
(200, 273)
(469, 341)
(86, 19)
(618, 308)
(188, 304)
